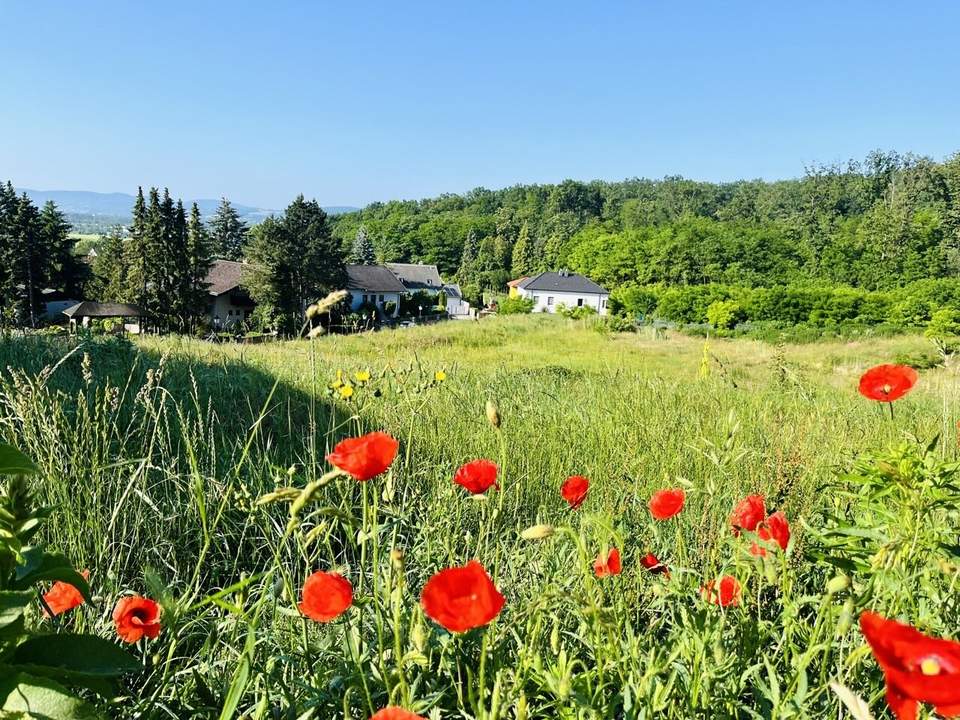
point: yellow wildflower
(362, 376)
(439, 376)
(346, 392)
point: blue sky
(352, 103)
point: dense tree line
(877, 224)
(36, 262)
(160, 263)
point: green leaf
(41, 699)
(12, 605)
(77, 654)
(14, 462)
(44, 566)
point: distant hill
(90, 209)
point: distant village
(391, 294)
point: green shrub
(515, 306)
(724, 314)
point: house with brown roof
(229, 304)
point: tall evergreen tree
(135, 256)
(228, 232)
(466, 274)
(293, 261)
(27, 261)
(200, 259)
(110, 269)
(362, 252)
(64, 268)
(8, 216)
(524, 259)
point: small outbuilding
(82, 312)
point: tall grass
(155, 455)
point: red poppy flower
(574, 490)
(666, 503)
(886, 383)
(136, 617)
(651, 563)
(395, 713)
(62, 597)
(917, 668)
(775, 528)
(609, 565)
(326, 596)
(748, 514)
(727, 594)
(461, 598)
(477, 476)
(365, 457)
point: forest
(869, 229)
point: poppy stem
(890, 403)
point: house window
(579, 302)
(381, 298)
(550, 300)
(603, 304)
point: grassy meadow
(155, 454)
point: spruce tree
(27, 261)
(135, 256)
(200, 259)
(523, 254)
(8, 215)
(227, 232)
(362, 252)
(64, 269)
(110, 269)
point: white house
(457, 307)
(374, 285)
(549, 290)
(229, 304)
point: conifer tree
(227, 232)
(362, 252)
(27, 263)
(200, 259)
(135, 256)
(63, 268)
(523, 254)
(110, 269)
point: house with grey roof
(457, 307)
(550, 290)
(417, 277)
(374, 285)
(229, 302)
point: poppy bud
(555, 639)
(417, 635)
(493, 414)
(846, 618)
(718, 653)
(837, 584)
(537, 532)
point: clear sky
(355, 102)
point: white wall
(457, 306)
(358, 298)
(543, 303)
(224, 314)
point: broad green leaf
(12, 605)
(14, 462)
(41, 699)
(79, 654)
(49, 567)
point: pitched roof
(453, 290)
(95, 309)
(518, 281)
(224, 276)
(372, 278)
(417, 276)
(563, 281)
